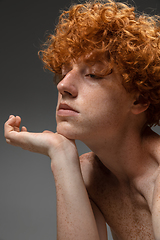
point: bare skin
(125, 205)
(119, 182)
(70, 188)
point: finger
(24, 129)
(12, 124)
(8, 127)
(11, 116)
(17, 124)
(18, 120)
(13, 121)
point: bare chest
(124, 206)
(125, 209)
(129, 219)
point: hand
(48, 143)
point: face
(91, 106)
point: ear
(140, 105)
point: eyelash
(94, 76)
(87, 75)
(98, 76)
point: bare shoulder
(91, 159)
(152, 143)
(93, 171)
(91, 163)
(90, 156)
(87, 167)
(149, 180)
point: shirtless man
(107, 62)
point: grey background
(27, 190)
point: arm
(100, 221)
(75, 218)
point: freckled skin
(110, 124)
(102, 104)
(119, 181)
(123, 206)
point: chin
(72, 131)
(66, 133)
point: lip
(66, 110)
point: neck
(123, 155)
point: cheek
(101, 112)
(99, 104)
(105, 110)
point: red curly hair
(112, 29)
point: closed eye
(94, 76)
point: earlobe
(140, 105)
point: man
(107, 62)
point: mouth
(66, 110)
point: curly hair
(127, 39)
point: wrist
(62, 162)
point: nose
(67, 86)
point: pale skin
(119, 182)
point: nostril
(68, 93)
(66, 88)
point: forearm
(75, 219)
